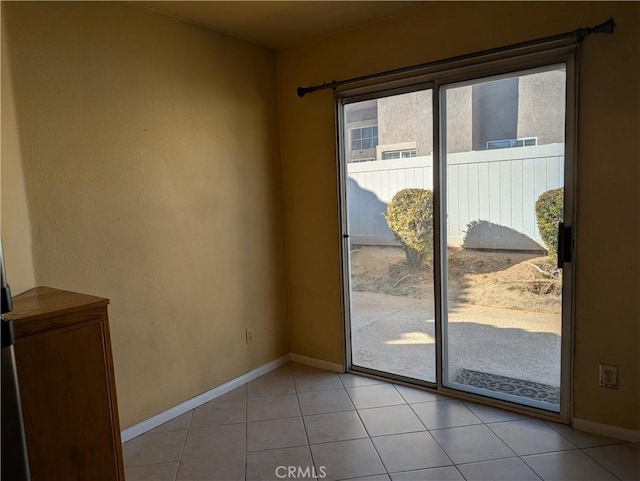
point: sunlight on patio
(413, 338)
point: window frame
(361, 138)
(400, 152)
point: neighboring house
(514, 112)
(389, 148)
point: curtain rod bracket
(578, 35)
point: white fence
(491, 195)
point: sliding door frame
(435, 79)
(387, 89)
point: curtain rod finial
(604, 27)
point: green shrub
(410, 217)
(550, 211)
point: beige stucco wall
(151, 164)
(541, 106)
(15, 227)
(406, 118)
(607, 284)
(459, 119)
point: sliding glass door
(457, 208)
(503, 157)
(388, 164)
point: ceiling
(277, 24)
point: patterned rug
(508, 385)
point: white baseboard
(311, 361)
(193, 403)
(608, 430)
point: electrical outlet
(609, 376)
(249, 335)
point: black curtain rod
(578, 35)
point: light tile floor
(346, 427)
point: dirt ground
(511, 280)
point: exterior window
(509, 143)
(398, 154)
(363, 159)
(364, 138)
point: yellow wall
(607, 286)
(15, 227)
(151, 163)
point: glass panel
(391, 281)
(504, 199)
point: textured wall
(607, 284)
(15, 228)
(541, 106)
(406, 118)
(150, 153)
(494, 111)
(459, 120)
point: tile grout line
(539, 476)
(597, 462)
(535, 454)
(415, 413)
(616, 441)
(455, 465)
(304, 425)
(364, 427)
(295, 393)
(184, 444)
(246, 430)
(369, 434)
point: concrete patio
(396, 334)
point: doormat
(508, 385)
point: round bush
(410, 218)
(549, 212)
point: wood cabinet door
(65, 390)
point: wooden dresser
(67, 388)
